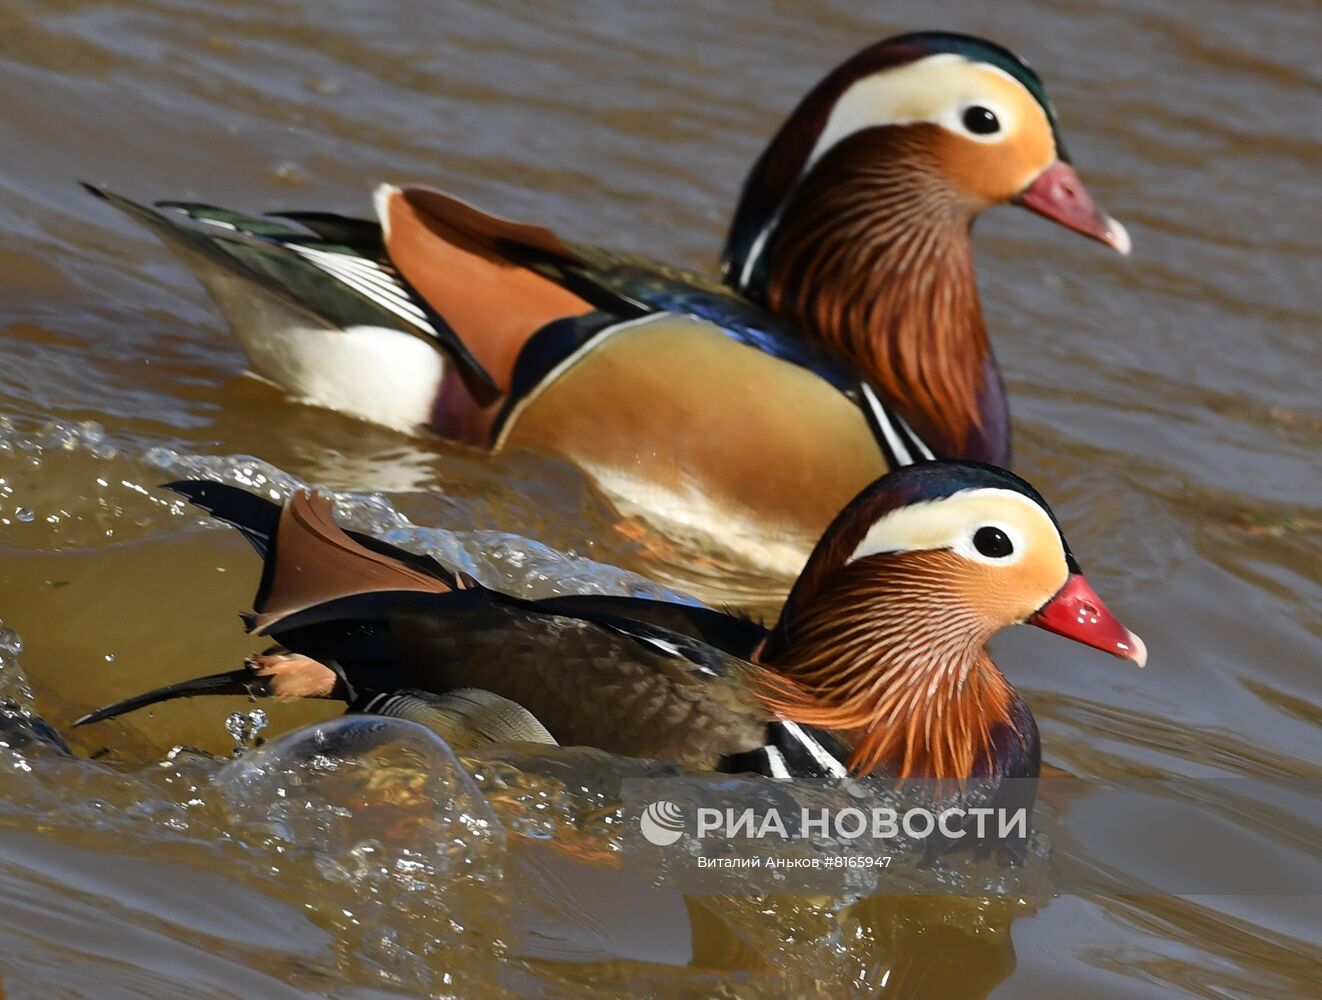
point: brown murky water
(1162, 402)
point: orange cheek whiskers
(874, 259)
(903, 675)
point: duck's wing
(649, 619)
(550, 678)
(349, 562)
(530, 305)
(369, 621)
(467, 718)
(326, 272)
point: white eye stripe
(936, 89)
(951, 522)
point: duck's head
(854, 224)
(883, 634)
(960, 121)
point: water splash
(390, 820)
(246, 728)
(20, 727)
(14, 687)
(122, 499)
(498, 559)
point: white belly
(375, 373)
(385, 376)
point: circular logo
(662, 823)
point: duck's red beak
(1077, 613)
(1060, 196)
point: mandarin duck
(844, 338)
(876, 670)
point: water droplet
(24, 514)
(290, 173)
(245, 727)
(10, 642)
(162, 458)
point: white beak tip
(1138, 651)
(1118, 236)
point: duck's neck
(903, 677)
(870, 254)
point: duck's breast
(688, 427)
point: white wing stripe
(367, 280)
(406, 311)
(209, 222)
(357, 281)
(358, 268)
(367, 270)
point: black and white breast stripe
(793, 751)
(897, 439)
(375, 281)
(757, 246)
(809, 752)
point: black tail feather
(363, 235)
(241, 681)
(255, 516)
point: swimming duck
(877, 665)
(844, 337)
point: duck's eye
(981, 121)
(992, 542)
